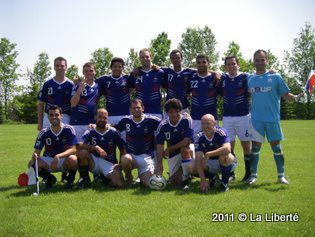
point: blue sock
(254, 158)
(278, 156)
(226, 173)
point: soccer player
(177, 79)
(140, 131)
(84, 100)
(177, 131)
(115, 88)
(148, 84)
(59, 141)
(266, 91)
(97, 152)
(236, 117)
(204, 91)
(213, 154)
(55, 91)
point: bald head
(208, 123)
(101, 118)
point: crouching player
(97, 152)
(213, 154)
(140, 130)
(59, 141)
(177, 131)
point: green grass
(103, 211)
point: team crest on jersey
(269, 79)
(110, 142)
(146, 130)
(210, 85)
(240, 84)
(203, 145)
(64, 140)
(155, 79)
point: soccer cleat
(185, 184)
(223, 187)
(50, 181)
(283, 180)
(84, 184)
(68, 185)
(232, 177)
(246, 176)
(251, 180)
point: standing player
(56, 91)
(97, 152)
(177, 131)
(177, 79)
(266, 90)
(59, 141)
(148, 85)
(84, 100)
(140, 130)
(236, 117)
(213, 154)
(204, 92)
(115, 88)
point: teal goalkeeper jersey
(266, 90)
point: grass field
(103, 211)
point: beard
(101, 125)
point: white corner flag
(30, 177)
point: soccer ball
(157, 182)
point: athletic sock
(279, 159)
(44, 174)
(226, 173)
(254, 158)
(71, 176)
(84, 172)
(247, 164)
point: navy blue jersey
(55, 93)
(116, 92)
(148, 89)
(177, 84)
(235, 95)
(55, 143)
(204, 94)
(205, 144)
(139, 135)
(108, 141)
(84, 112)
(173, 134)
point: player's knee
(82, 155)
(117, 180)
(186, 153)
(277, 150)
(226, 159)
(125, 160)
(255, 149)
(246, 147)
(72, 162)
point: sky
(75, 28)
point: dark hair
(55, 107)
(89, 64)
(136, 101)
(173, 104)
(202, 56)
(261, 51)
(117, 60)
(60, 59)
(230, 57)
(175, 51)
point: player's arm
(159, 158)
(36, 154)
(183, 143)
(292, 97)
(225, 149)
(40, 114)
(204, 183)
(76, 97)
(91, 148)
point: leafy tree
(132, 61)
(72, 72)
(8, 74)
(41, 70)
(101, 58)
(160, 48)
(195, 41)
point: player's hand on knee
(54, 163)
(158, 170)
(204, 185)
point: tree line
(18, 103)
